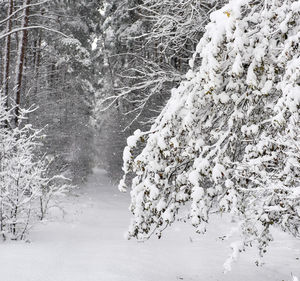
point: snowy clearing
(89, 245)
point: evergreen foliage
(228, 141)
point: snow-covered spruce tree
(229, 138)
(25, 188)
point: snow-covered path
(89, 245)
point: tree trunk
(37, 60)
(20, 60)
(6, 62)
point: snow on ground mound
(88, 245)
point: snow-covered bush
(229, 138)
(25, 188)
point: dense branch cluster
(26, 189)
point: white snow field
(88, 244)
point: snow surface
(88, 244)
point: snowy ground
(89, 245)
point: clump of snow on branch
(229, 138)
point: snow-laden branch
(21, 9)
(228, 139)
(15, 30)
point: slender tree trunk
(20, 60)
(6, 62)
(37, 59)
